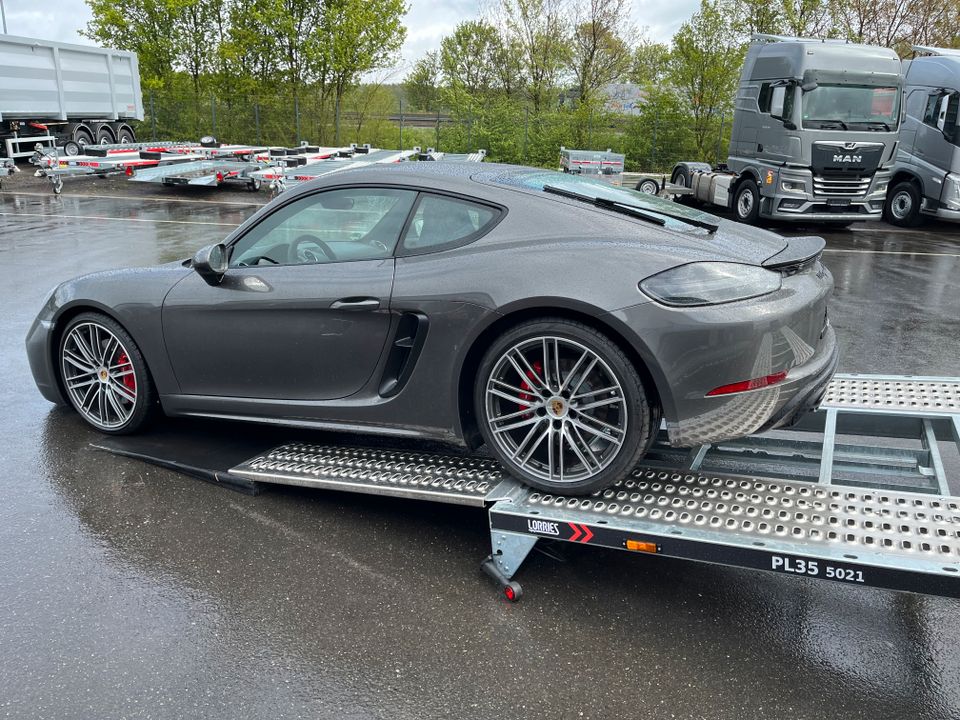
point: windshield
(673, 214)
(844, 106)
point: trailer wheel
(648, 186)
(57, 184)
(902, 207)
(71, 148)
(746, 202)
(125, 136)
(254, 184)
(82, 137)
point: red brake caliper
(129, 381)
(538, 369)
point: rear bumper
(754, 411)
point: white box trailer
(65, 94)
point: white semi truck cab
(926, 177)
(814, 134)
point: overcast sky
(427, 22)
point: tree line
(520, 79)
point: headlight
(794, 186)
(710, 283)
(881, 186)
(950, 195)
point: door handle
(356, 303)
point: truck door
(932, 146)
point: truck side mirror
(777, 97)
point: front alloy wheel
(562, 407)
(104, 375)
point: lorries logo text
(848, 158)
(543, 527)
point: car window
(441, 221)
(331, 226)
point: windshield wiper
(884, 125)
(825, 124)
(631, 210)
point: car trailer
(857, 493)
(282, 179)
(436, 156)
(203, 173)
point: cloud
(58, 20)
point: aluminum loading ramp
(876, 512)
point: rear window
(535, 180)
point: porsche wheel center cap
(104, 375)
(557, 407)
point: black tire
(125, 136)
(82, 137)
(648, 186)
(72, 148)
(105, 135)
(746, 202)
(631, 409)
(681, 176)
(142, 408)
(902, 206)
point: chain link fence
(652, 140)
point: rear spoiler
(798, 251)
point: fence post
(153, 115)
(213, 115)
(653, 141)
(256, 119)
(336, 122)
(296, 118)
(526, 131)
(436, 145)
(723, 117)
(469, 131)
(401, 123)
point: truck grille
(841, 186)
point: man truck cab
(926, 177)
(814, 133)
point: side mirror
(210, 262)
(777, 96)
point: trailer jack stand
(511, 589)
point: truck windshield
(851, 107)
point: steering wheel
(299, 254)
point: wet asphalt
(128, 591)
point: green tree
(422, 85)
(140, 26)
(599, 53)
(650, 63)
(705, 67)
(468, 57)
(539, 31)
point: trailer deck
(880, 509)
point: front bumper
(803, 203)
(40, 357)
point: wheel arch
(511, 316)
(60, 322)
(905, 176)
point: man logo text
(848, 158)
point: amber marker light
(641, 546)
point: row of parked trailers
(211, 164)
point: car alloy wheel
(99, 376)
(563, 407)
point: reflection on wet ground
(132, 591)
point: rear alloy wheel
(104, 374)
(902, 207)
(746, 202)
(562, 407)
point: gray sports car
(554, 318)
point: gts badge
(848, 158)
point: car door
(302, 312)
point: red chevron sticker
(581, 533)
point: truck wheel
(902, 207)
(104, 135)
(82, 137)
(125, 136)
(681, 176)
(746, 202)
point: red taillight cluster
(744, 385)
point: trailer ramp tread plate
(896, 540)
(456, 479)
(894, 394)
